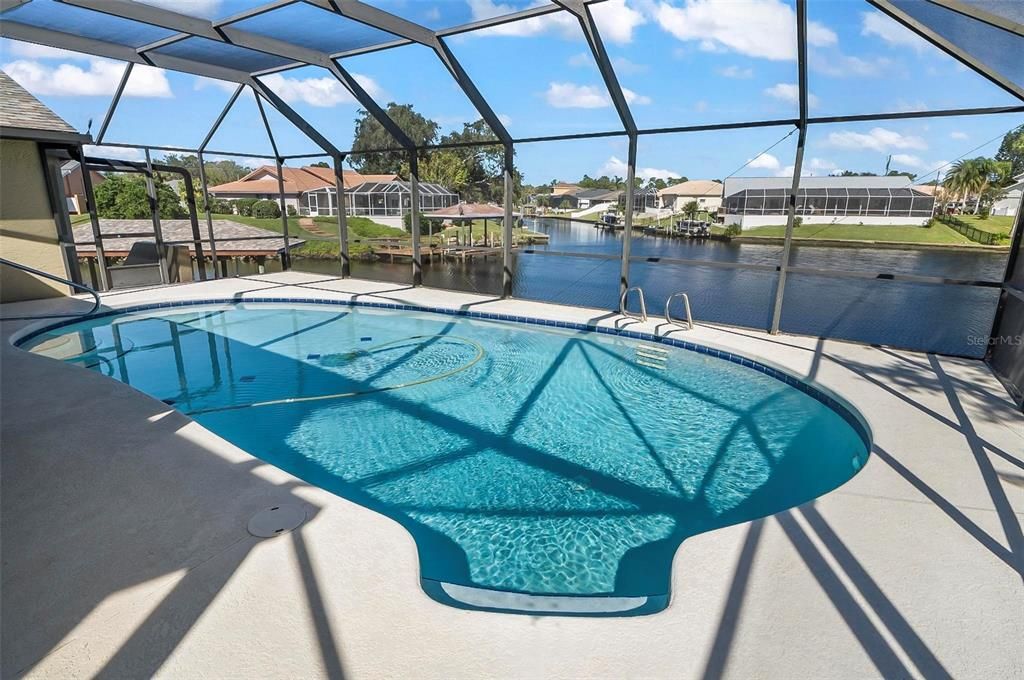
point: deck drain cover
(277, 520)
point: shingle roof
(231, 236)
(693, 187)
(19, 109)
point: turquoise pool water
(538, 469)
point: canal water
(949, 319)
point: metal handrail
(47, 275)
(686, 305)
(643, 305)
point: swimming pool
(539, 469)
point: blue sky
(683, 62)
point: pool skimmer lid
(277, 520)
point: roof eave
(36, 135)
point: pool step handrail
(58, 279)
(643, 305)
(686, 305)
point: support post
(506, 230)
(286, 255)
(627, 235)
(787, 247)
(414, 190)
(209, 216)
(94, 220)
(154, 209)
(339, 187)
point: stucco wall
(751, 221)
(28, 234)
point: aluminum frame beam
(506, 231)
(100, 48)
(787, 247)
(611, 81)
(414, 197)
(113, 102)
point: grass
(903, 233)
(995, 224)
(79, 219)
(318, 245)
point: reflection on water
(916, 316)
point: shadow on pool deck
(93, 526)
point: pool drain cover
(277, 520)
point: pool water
(538, 469)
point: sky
(680, 62)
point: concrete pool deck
(125, 550)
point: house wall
(1008, 205)
(676, 203)
(28, 233)
(752, 221)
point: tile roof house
(262, 183)
(707, 193)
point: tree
(443, 167)
(691, 209)
(320, 164)
(124, 197)
(370, 135)
(902, 173)
(484, 161)
(974, 176)
(1012, 151)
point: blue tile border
(839, 406)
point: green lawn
(938, 233)
(995, 224)
(79, 219)
(319, 245)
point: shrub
(266, 209)
(798, 221)
(984, 212)
(292, 212)
(125, 197)
(220, 206)
(733, 230)
(930, 223)
(244, 206)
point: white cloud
(33, 51)
(634, 98)
(764, 161)
(432, 14)
(876, 139)
(959, 135)
(756, 28)
(505, 119)
(202, 83)
(623, 65)
(581, 59)
(736, 72)
(614, 19)
(615, 166)
(199, 8)
(320, 92)
(101, 78)
(790, 93)
(838, 65)
(877, 24)
(916, 163)
(821, 164)
(788, 172)
(122, 153)
(573, 96)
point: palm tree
(968, 176)
(691, 209)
